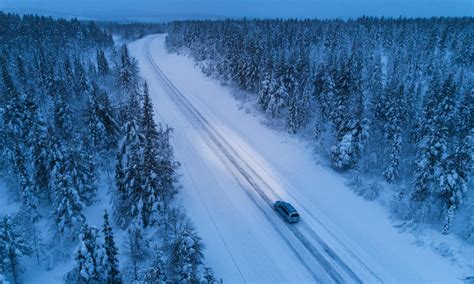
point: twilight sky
(156, 10)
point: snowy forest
(77, 133)
(388, 102)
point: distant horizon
(168, 10)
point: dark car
(287, 211)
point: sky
(163, 10)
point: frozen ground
(234, 168)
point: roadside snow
(241, 243)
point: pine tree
(209, 276)
(30, 233)
(186, 254)
(62, 112)
(68, 204)
(127, 71)
(120, 196)
(27, 192)
(277, 100)
(13, 112)
(136, 249)
(89, 259)
(350, 126)
(102, 64)
(393, 133)
(101, 120)
(265, 92)
(298, 112)
(455, 163)
(431, 147)
(12, 248)
(52, 156)
(111, 266)
(131, 164)
(68, 76)
(151, 205)
(81, 171)
(156, 273)
(95, 125)
(81, 86)
(167, 167)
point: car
(287, 211)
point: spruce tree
(266, 89)
(111, 266)
(89, 258)
(136, 249)
(156, 273)
(127, 71)
(151, 205)
(12, 248)
(131, 164)
(68, 204)
(186, 254)
(102, 64)
(27, 192)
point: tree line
(75, 115)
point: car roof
(289, 207)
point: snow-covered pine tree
(101, 120)
(455, 165)
(111, 265)
(186, 254)
(430, 149)
(81, 85)
(393, 132)
(128, 204)
(94, 124)
(82, 173)
(68, 75)
(298, 112)
(277, 99)
(30, 233)
(50, 156)
(22, 75)
(136, 249)
(63, 121)
(67, 206)
(152, 194)
(12, 248)
(348, 118)
(13, 108)
(208, 276)
(120, 196)
(167, 167)
(156, 273)
(266, 89)
(27, 193)
(324, 91)
(102, 64)
(127, 72)
(89, 259)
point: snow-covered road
(234, 169)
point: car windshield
(295, 215)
